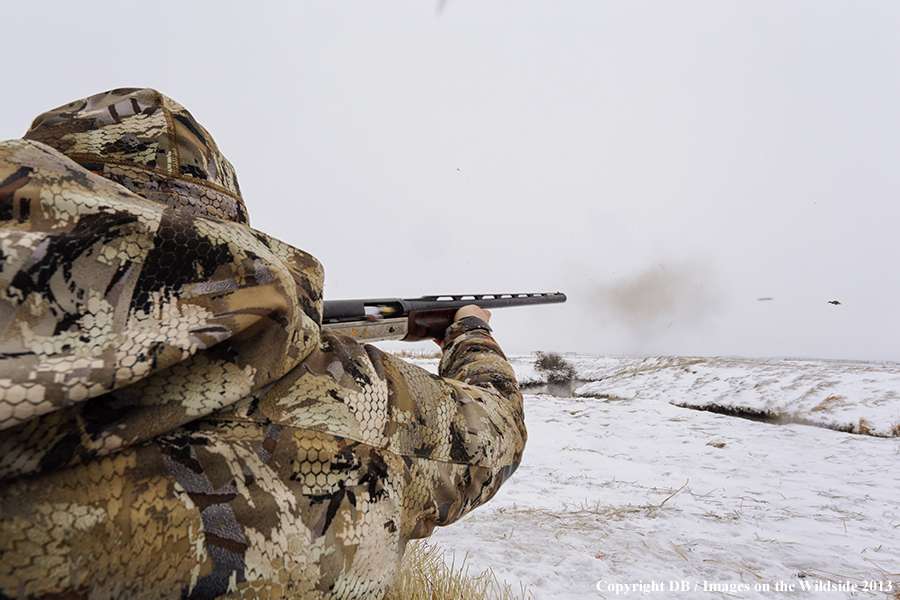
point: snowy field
(626, 492)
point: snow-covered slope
(633, 496)
(854, 397)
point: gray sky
(666, 164)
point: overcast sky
(700, 178)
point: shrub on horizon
(554, 367)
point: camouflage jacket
(172, 421)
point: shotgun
(414, 319)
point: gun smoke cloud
(662, 301)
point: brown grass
(830, 403)
(864, 427)
(425, 576)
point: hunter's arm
(480, 441)
(472, 356)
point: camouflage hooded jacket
(172, 421)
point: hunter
(174, 422)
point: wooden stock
(429, 324)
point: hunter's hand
(472, 310)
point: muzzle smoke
(660, 301)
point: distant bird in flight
(835, 302)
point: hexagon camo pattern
(149, 144)
(172, 423)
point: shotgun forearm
(414, 319)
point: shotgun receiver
(414, 319)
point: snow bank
(854, 397)
(631, 496)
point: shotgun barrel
(414, 319)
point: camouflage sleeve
(459, 436)
(484, 430)
(471, 355)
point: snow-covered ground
(849, 396)
(624, 492)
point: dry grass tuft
(830, 403)
(425, 576)
(864, 427)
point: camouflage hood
(149, 144)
